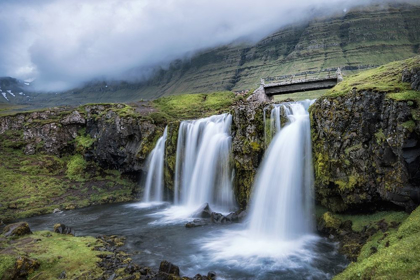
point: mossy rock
(17, 229)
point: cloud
(62, 43)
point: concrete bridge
(266, 92)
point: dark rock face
(17, 229)
(169, 268)
(203, 212)
(121, 141)
(366, 151)
(247, 147)
(413, 77)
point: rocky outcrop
(366, 150)
(118, 139)
(247, 147)
(17, 229)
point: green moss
(353, 148)
(331, 221)
(76, 167)
(191, 106)
(397, 254)
(409, 125)
(380, 136)
(83, 141)
(7, 262)
(386, 78)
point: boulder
(24, 266)
(169, 268)
(63, 229)
(203, 212)
(17, 229)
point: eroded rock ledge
(366, 150)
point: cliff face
(366, 149)
(117, 140)
(247, 147)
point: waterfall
(283, 191)
(154, 180)
(203, 171)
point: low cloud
(63, 43)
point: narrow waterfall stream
(203, 171)
(282, 204)
(154, 184)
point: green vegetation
(390, 254)
(191, 106)
(386, 78)
(55, 253)
(83, 141)
(37, 184)
(76, 168)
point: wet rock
(219, 218)
(56, 210)
(203, 212)
(169, 268)
(366, 151)
(17, 229)
(63, 229)
(24, 266)
(195, 223)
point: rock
(366, 151)
(24, 266)
(63, 275)
(203, 212)
(56, 210)
(17, 229)
(412, 76)
(63, 229)
(195, 223)
(169, 268)
(73, 118)
(219, 218)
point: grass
(386, 79)
(37, 184)
(55, 252)
(391, 255)
(191, 106)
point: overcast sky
(65, 42)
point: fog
(62, 43)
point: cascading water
(283, 200)
(203, 172)
(153, 190)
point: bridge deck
(299, 86)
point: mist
(63, 43)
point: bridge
(266, 92)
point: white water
(279, 232)
(282, 204)
(203, 171)
(153, 190)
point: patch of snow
(106, 86)
(21, 93)
(27, 84)
(4, 95)
(11, 93)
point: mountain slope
(354, 40)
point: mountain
(360, 38)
